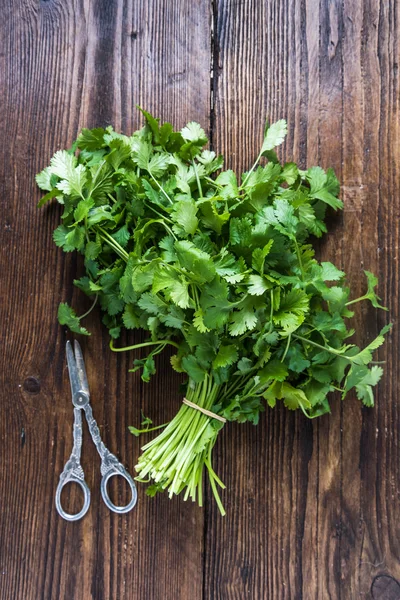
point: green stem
(357, 300)
(137, 432)
(90, 309)
(298, 253)
(113, 243)
(157, 213)
(161, 188)
(176, 458)
(197, 179)
(287, 348)
(143, 345)
(326, 348)
(250, 172)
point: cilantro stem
(365, 297)
(157, 213)
(197, 179)
(271, 314)
(287, 347)
(298, 253)
(326, 348)
(161, 188)
(137, 432)
(251, 170)
(176, 458)
(114, 244)
(143, 345)
(90, 309)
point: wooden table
(313, 507)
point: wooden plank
(65, 65)
(313, 508)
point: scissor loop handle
(122, 472)
(86, 498)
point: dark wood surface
(313, 509)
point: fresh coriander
(219, 268)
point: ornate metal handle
(110, 466)
(73, 473)
(113, 471)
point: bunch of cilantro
(222, 270)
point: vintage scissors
(110, 466)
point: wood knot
(385, 587)
(31, 385)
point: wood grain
(66, 65)
(313, 509)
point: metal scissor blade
(80, 366)
(72, 370)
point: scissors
(110, 466)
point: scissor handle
(113, 471)
(72, 478)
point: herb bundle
(220, 269)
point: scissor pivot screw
(80, 401)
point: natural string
(203, 410)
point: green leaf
(296, 360)
(74, 182)
(330, 273)
(151, 304)
(152, 123)
(364, 387)
(244, 319)
(228, 181)
(130, 318)
(82, 209)
(210, 161)
(122, 235)
(274, 369)
(371, 295)
(43, 179)
(67, 316)
(147, 364)
(211, 217)
(274, 135)
(198, 321)
(153, 195)
(290, 173)
(175, 318)
(91, 139)
(257, 285)
(75, 239)
(193, 132)
(214, 304)
(180, 294)
(112, 303)
(98, 214)
(321, 189)
(184, 214)
(92, 250)
(293, 398)
(259, 255)
(195, 261)
(193, 369)
(227, 355)
(365, 356)
(60, 238)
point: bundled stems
(175, 459)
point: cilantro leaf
(67, 316)
(274, 135)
